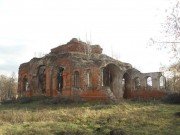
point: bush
(25, 100)
(7, 102)
(173, 98)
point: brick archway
(112, 77)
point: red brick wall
(146, 94)
(76, 47)
(93, 95)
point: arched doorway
(126, 85)
(111, 77)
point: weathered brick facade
(81, 71)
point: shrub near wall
(172, 98)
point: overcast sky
(121, 27)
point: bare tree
(171, 31)
(39, 54)
(175, 70)
(87, 47)
(8, 87)
(172, 24)
(171, 42)
(172, 76)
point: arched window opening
(102, 77)
(76, 79)
(137, 83)
(24, 85)
(60, 79)
(162, 82)
(123, 84)
(42, 78)
(88, 78)
(149, 83)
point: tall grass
(45, 117)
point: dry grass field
(46, 116)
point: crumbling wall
(77, 46)
(87, 74)
(144, 90)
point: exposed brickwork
(147, 94)
(85, 74)
(77, 46)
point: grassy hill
(48, 116)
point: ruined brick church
(79, 70)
